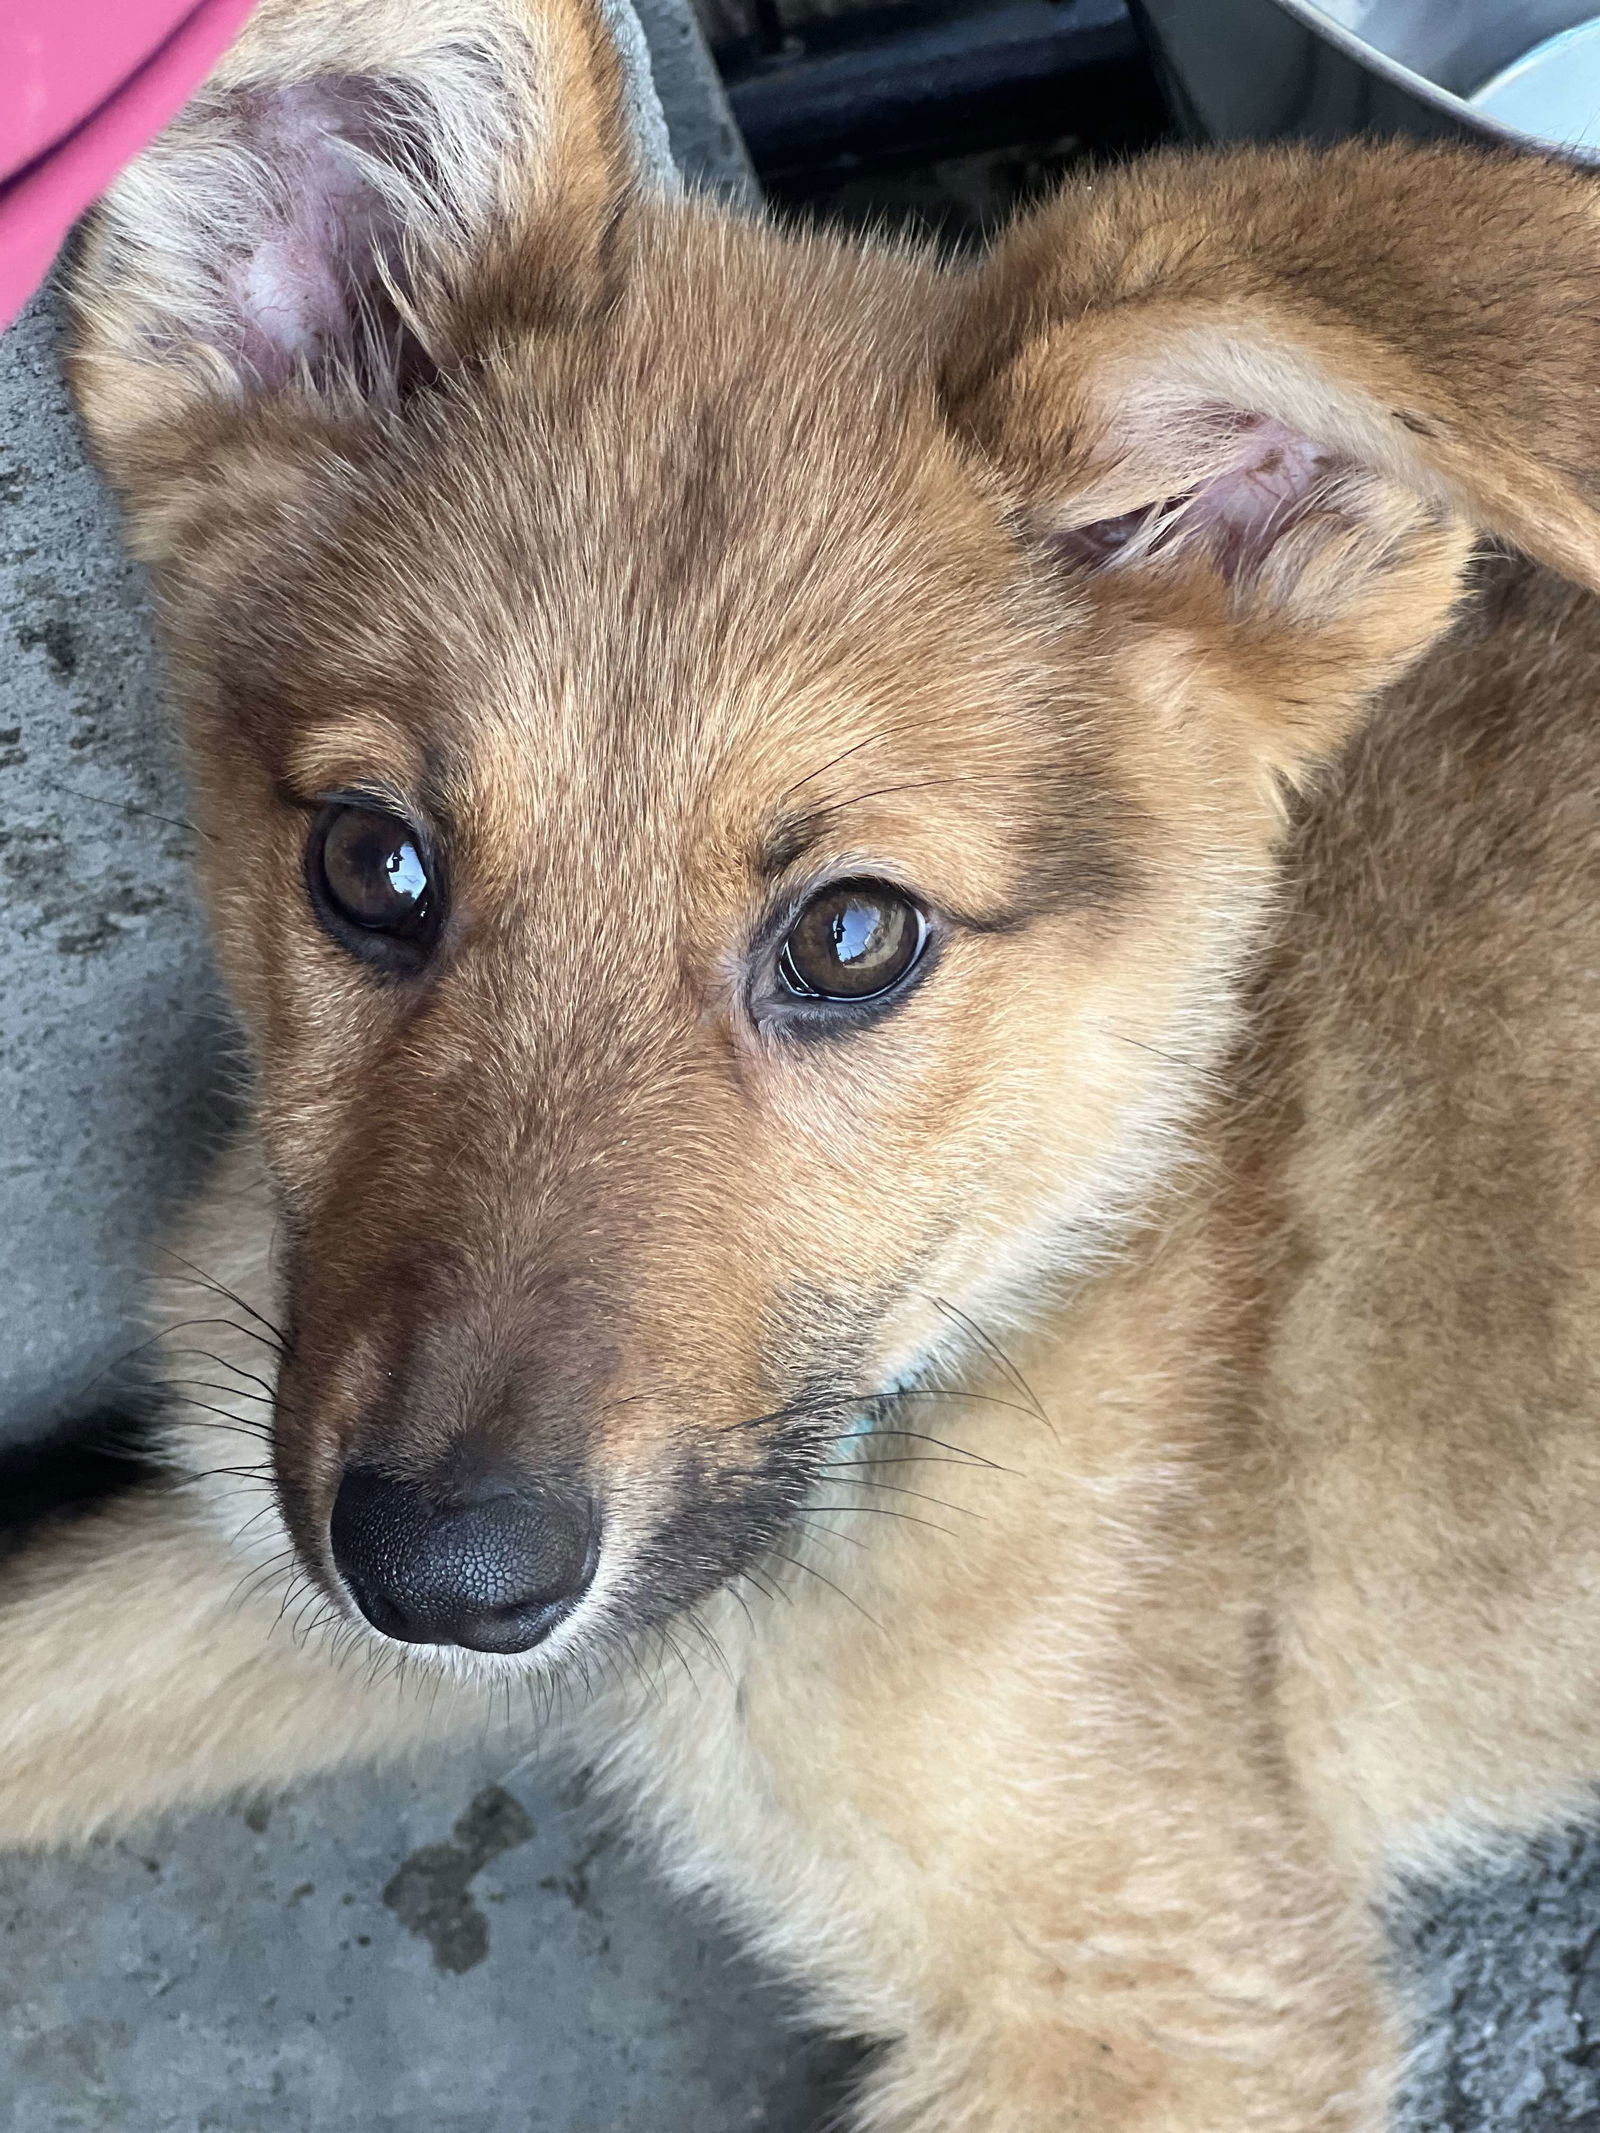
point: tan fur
(1226, 1195)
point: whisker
(220, 1288)
(1139, 1045)
(269, 1390)
(825, 1535)
(276, 1566)
(885, 792)
(832, 763)
(963, 1456)
(893, 1488)
(228, 1392)
(811, 1570)
(245, 1425)
(907, 1459)
(265, 1511)
(128, 807)
(719, 1657)
(182, 1325)
(300, 1578)
(678, 1653)
(993, 1347)
(132, 1355)
(955, 1392)
(878, 1510)
(832, 1404)
(768, 1590)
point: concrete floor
(468, 1954)
(464, 1952)
(1502, 1976)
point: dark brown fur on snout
(1205, 1223)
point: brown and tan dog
(854, 896)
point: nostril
(493, 1567)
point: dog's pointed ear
(357, 194)
(1262, 403)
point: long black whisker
(920, 1436)
(906, 1459)
(811, 1570)
(266, 1508)
(884, 792)
(993, 1347)
(261, 1573)
(243, 1424)
(677, 1651)
(228, 1392)
(220, 1288)
(953, 1392)
(269, 1390)
(182, 1325)
(719, 1657)
(807, 1404)
(878, 1510)
(826, 1535)
(129, 807)
(832, 763)
(895, 1488)
(764, 1586)
(1170, 1058)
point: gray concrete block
(706, 144)
(112, 1041)
(468, 1954)
(1501, 1971)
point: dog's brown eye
(852, 942)
(371, 885)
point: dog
(919, 943)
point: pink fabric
(83, 85)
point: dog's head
(736, 769)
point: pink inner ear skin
(1244, 509)
(1264, 487)
(289, 303)
(319, 226)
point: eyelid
(378, 799)
(772, 1005)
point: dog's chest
(747, 1781)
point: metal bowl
(1270, 69)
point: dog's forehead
(674, 583)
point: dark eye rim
(393, 952)
(802, 1009)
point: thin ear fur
(358, 186)
(1264, 394)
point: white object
(1551, 92)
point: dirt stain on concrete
(55, 639)
(430, 1893)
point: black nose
(492, 1563)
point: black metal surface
(925, 80)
